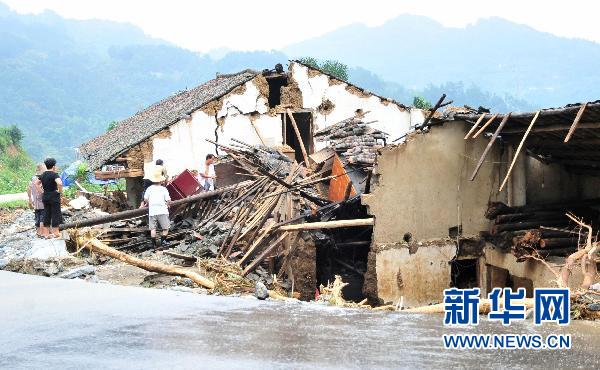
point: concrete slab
(47, 248)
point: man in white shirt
(157, 199)
(208, 176)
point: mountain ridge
(66, 80)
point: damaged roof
(547, 140)
(351, 84)
(157, 117)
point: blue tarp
(68, 176)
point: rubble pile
(354, 139)
(255, 236)
(237, 236)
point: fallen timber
(84, 240)
(534, 231)
(485, 306)
(144, 211)
(329, 224)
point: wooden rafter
(575, 122)
(489, 146)
(485, 125)
(519, 150)
(475, 126)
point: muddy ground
(23, 252)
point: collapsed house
(479, 200)
(256, 107)
(330, 129)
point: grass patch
(16, 170)
(14, 204)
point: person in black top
(51, 184)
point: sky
(268, 25)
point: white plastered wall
(187, 147)
(390, 117)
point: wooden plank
(514, 160)
(108, 175)
(575, 122)
(299, 137)
(339, 183)
(329, 224)
(264, 254)
(475, 126)
(489, 146)
(284, 115)
(485, 125)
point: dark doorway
(275, 85)
(464, 273)
(344, 252)
(305, 126)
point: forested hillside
(16, 167)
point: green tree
(81, 172)
(421, 103)
(16, 135)
(335, 68)
(310, 61)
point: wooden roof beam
(551, 128)
(575, 122)
(489, 146)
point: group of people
(156, 196)
(44, 193)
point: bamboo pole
(575, 122)
(300, 141)
(262, 140)
(329, 224)
(514, 160)
(475, 126)
(484, 306)
(489, 146)
(485, 125)
(264, 254)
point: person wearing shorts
(157, 199)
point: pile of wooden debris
(249, 229)
(539, 230)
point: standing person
(207, 178)
(157, 199)
(34, 193)
(52, 185)
(158, 165)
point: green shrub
(420, 103)
(335, 68)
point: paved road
(52, 323)
(10, 197)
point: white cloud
(269, 24)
